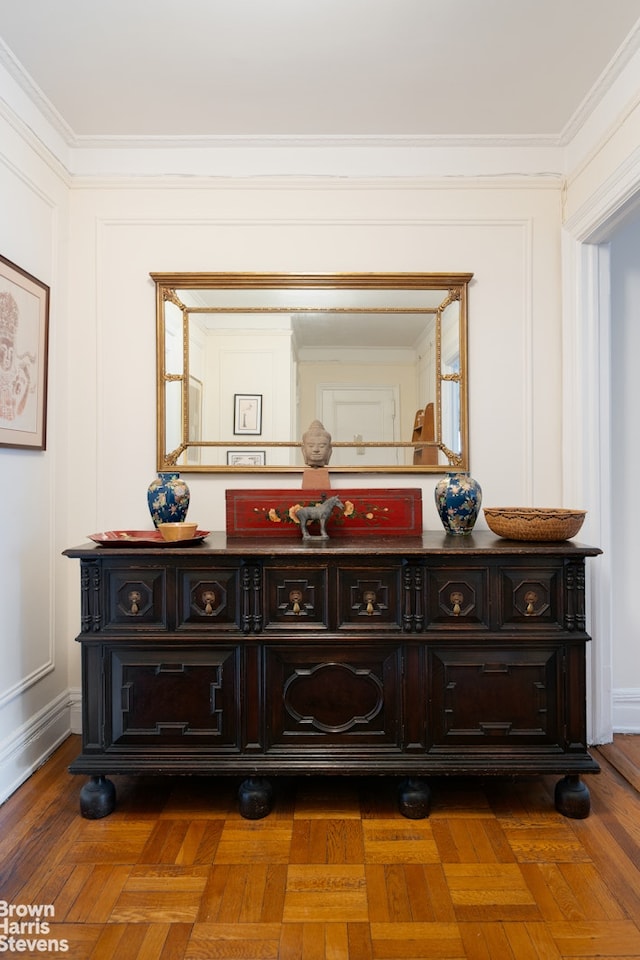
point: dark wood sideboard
(410, 657)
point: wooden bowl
(534, 523)
(178, 531)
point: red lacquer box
(272, 513)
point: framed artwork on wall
(24, 345)
(246, 458)
(247, 418)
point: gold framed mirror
(245, 362)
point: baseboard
(75, 701)
(33, 743)
(626, 710)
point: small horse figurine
(320, 512)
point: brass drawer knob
(134, 598)
(456, 599)
(369, 597)
(208, 599)
(530, 598)
(295, 599)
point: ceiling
(122, 70)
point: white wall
(34, 641)
(625, 437)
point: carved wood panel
(328, 695)
(173, 696)
(495, 695)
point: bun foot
(255, 798)
(572, 798)
(97, 798)
(414, 798)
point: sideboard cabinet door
(487, 697)
(326, 697)
(162, 697)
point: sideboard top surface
(435, 543)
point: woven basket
(534, 523)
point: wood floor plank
(23, 854)
(545, 844)
(327, 841)
(334, 873)
(232, 941)
(471, 840)
(45, 885)
(39, 795)
(99, 894)
(359, 941)
(255, 840)
(199, 838)
(612, 798)
(490, 891)
(616, 869)
(387, 891)
(616, 938)
(156, 906)
(399, 841)
(176, 942)
(328, 798)
(530, 941)
(318, 892)
(417, 941)
(485, 941)
(552, 893)
(591, 893)
(205, 798)
(624, 755)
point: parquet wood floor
(335, 872)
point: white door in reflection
(361, 413)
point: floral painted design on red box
(387, 512)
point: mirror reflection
(246, 362)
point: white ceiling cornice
(622, 57)
(15, 69)
(477, 157)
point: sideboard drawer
(532, 596)
(296, 597)
(457, 597)
(136, 598)
(208, 596)
(369, 598)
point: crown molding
(35, 142)
(316, 141)
(621, 58)
(37, 97)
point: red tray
(142, 538)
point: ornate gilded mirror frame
(246, 361)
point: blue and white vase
(458, 499)
(168, 498)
